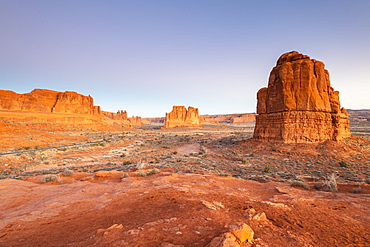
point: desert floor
(155, 187)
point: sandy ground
(182, 187)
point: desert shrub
(357, 190)
(46, 171)
(318, 185)
(244, 161)
(222, 174)
(49, 178)
(301, 184)
(178, 160)
(126, 163)
(251, 155)
(141, 174)
(330, 183)
(156, 160)
(27, 148)
(267, 168)
(343, 164)
(175, 152)
(124, 175)
(200, 153)
(67, 172)
(154, 171)
(123, 155)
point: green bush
(343, 164)
(154, 171)
(141, 174)
(126, 163)
(357, 190)
(318, 185)
(67, 172)
(267, 168)
(49, 178)
(300, 184)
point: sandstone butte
(47, 106)
(299, 105)
(182, 117)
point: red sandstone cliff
(299, 105)
(182, 117)
(48, 101)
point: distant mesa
(71, 108)
(299, 105)
(48, 101)
(182, 117)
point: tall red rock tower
(180, 117)
(299, 105)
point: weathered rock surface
(299, 105)
(120, 115)
(48, 101)
(182, 117)
(120, 118)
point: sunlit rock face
(299, 105)
(182, 117)
(48, 101)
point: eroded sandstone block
(299, 105)
(182, 117)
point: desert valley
(295, 173)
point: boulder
(299, 105)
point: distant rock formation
(48, 101)
(299, 105)
(120, 115)
(217, 119)
(121, 118)
(244, 118)
(180, 117)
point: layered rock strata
(299, 105)
(48, 101)
(182, 117)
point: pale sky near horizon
(145, 56)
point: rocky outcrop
(48, 101)
(120, 118)
(120, 115)
(136, 121)
(299, 105)
(182, 117)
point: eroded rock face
(299, 105)
(182, 117)
(120, 115)
(48, 101)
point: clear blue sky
(146, 56)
